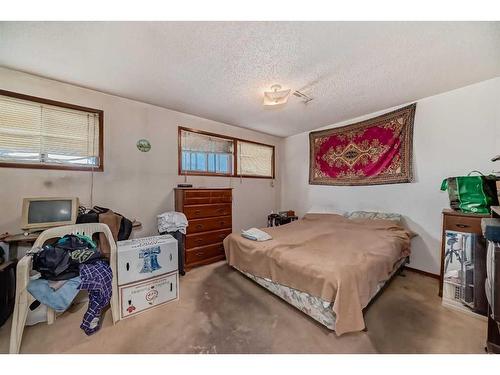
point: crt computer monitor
(43, 213)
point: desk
(15, 240)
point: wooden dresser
(459, 222)
(210, 221)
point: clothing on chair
(75, 241)
(97, 280)
(59, 299)
(61, 261)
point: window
(206, 154)
(41, 133)
(202, 153)
(255, 159)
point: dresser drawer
(221, 199)
(199, 254)
(207, 197)
(206, 200)
(196, 193)
(463, 224)
(211, 210)
(221, 196)
(214, 223)
(221, 193)
(206, 238)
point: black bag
(54, 263)
(125, 229)
(61, 261)
(89, 217)
(93, 217)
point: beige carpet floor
(221, 311)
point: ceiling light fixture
(276, 96)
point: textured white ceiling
(219, 70)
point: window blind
(202, 153)
(32, 132)
(208, 154)
(197, 142)
(255, 159)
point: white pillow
(325, 209)
(398, 218)
(374, 215)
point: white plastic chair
(24, 298)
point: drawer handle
(222, 223)
(199, 226)
(199, 240)
(127, 266)
(170, 256)
(462, 225)
(197, 212)
(222, 236)
(220, 210)
(200, 254)
(171, 286)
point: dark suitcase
(180, 249)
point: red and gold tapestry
(372, 152)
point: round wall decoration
(143, 145)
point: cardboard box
(144, 258)
(145, 295)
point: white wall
(138, 185)
(454, 133)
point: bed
(328, 266)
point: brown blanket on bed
(327, 256)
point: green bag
(474, 194)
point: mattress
(335, 259)
(315, 307)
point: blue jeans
(59, 299)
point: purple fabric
(97, 280)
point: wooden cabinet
(209, 212)
(463, 251)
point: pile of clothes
(172, 221)
(71, 264)
(120, 226)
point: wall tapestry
(372, 152)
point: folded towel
(255, 234)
